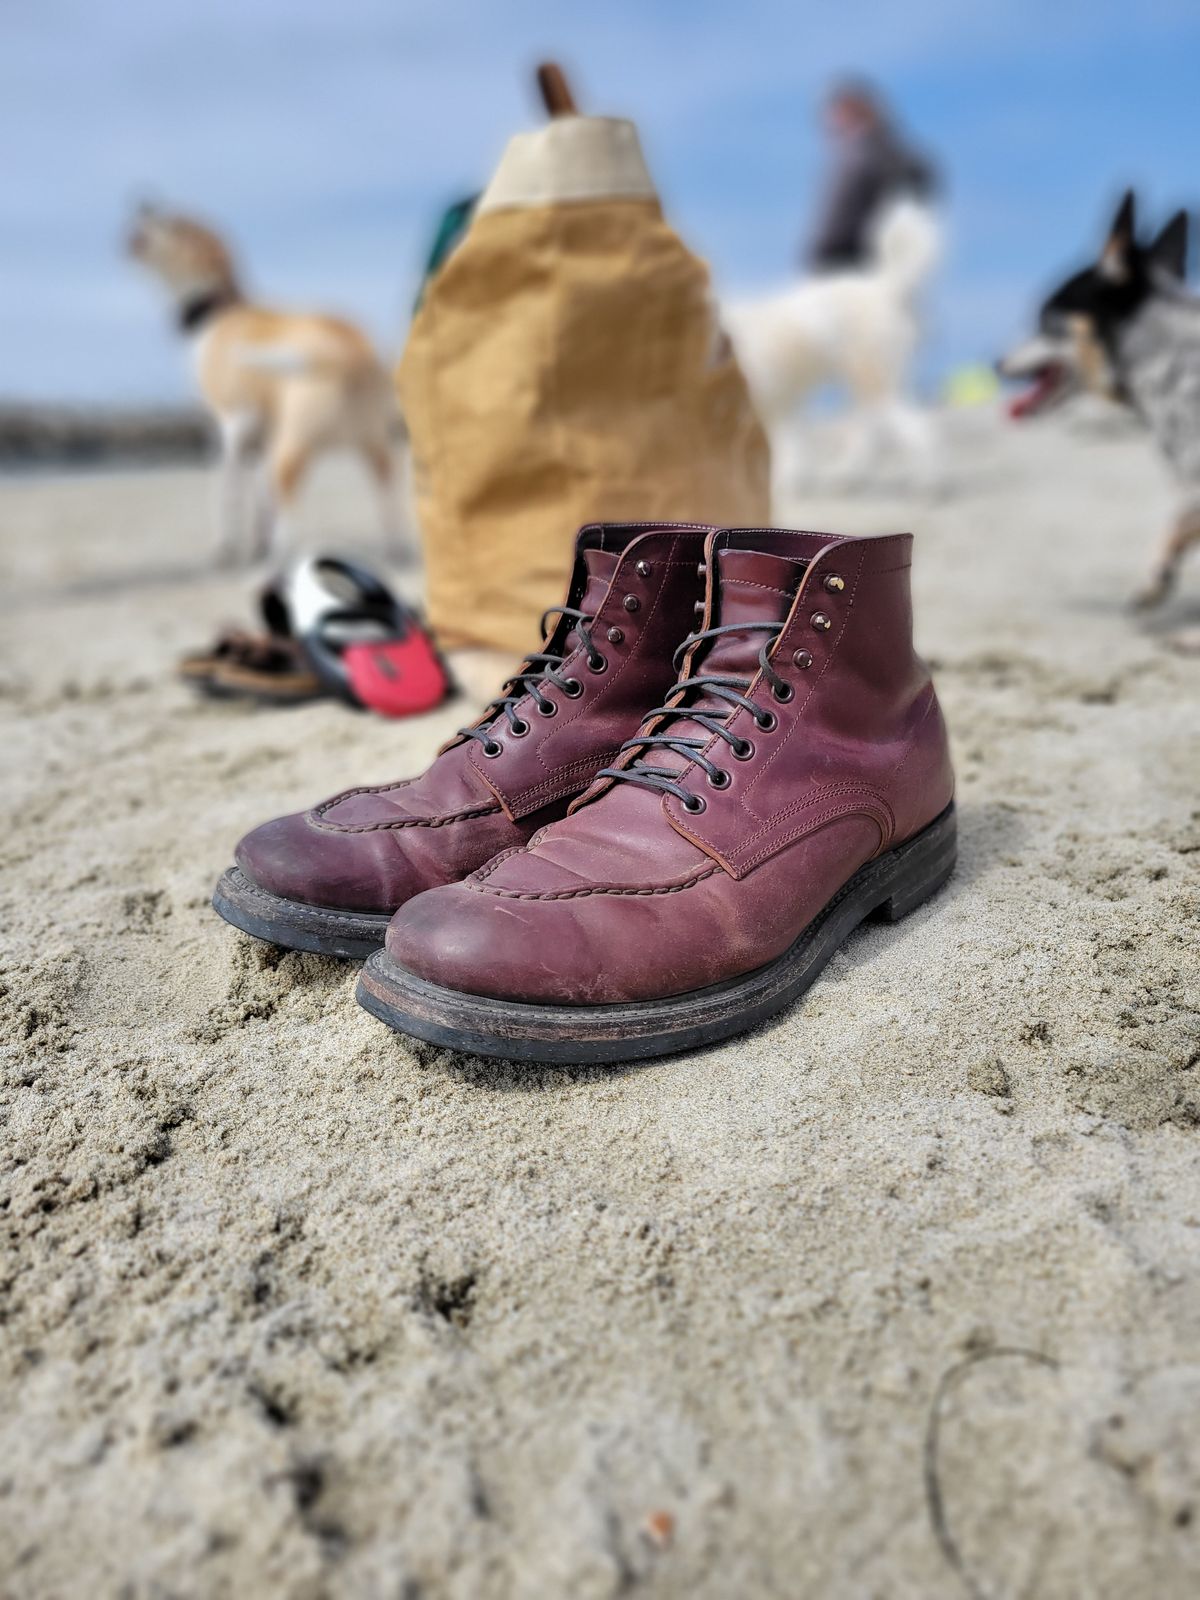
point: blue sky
(324, 137)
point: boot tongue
(750, 588)
(599, 566)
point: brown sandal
(271, 671)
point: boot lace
(714, 686)
(539, 669)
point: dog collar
(195, 312)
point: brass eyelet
(572, 688)
(783, 692)
(631, 603)
(519, 728)
(718, 778)
(834, 584)
(614, 636)
(492, 749)
(802, 659)
(643, 569)
(821, 622)
(743, 750)
(695, 803)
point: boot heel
(920, 867)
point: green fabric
(454, 222)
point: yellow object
(565, 367)
(971, 386)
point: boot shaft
(858, 729)
(639, 585)
(843, 718)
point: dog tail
(906, 243)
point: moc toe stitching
(591, 889)
(318, 821)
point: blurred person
(872, 165)
(856, 329)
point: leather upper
(631, 896)
(371, 849)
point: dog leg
(264, 513)
(915, 436)
(237, 447)
(1182, 534)
(856, 462)
(390, 476)
(285, 472)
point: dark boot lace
(712, 718)
(539, 669)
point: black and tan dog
(1128, 329)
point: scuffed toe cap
(568, 952)
(297, 859)
(450, 936)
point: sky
(324, 137)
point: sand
(897, 1297)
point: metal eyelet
(614, 636)
(783, 692)
(597, 663)
(743, 750)
(519, 728)
(492, 749)
(718, 778)
(643, 569)
(695, 803)
(631, 603)
(702, 570)
(834, 584)
(820, 622)
(547, 708)
(768, 721)
(572, 688)
(802, 659)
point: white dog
(859, 330)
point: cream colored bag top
(566, 366)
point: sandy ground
(898, 1297)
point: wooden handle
(555, 90)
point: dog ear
(1169, 251)
(1117, 255)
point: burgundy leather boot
(329, 879)
(796, 781)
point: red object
(398, 678)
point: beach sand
(898, 1297)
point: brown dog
(283, 387)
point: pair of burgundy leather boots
(724, 758)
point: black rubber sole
(889, 887)
(323, 930)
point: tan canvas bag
(566, 366)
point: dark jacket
(873, 166)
